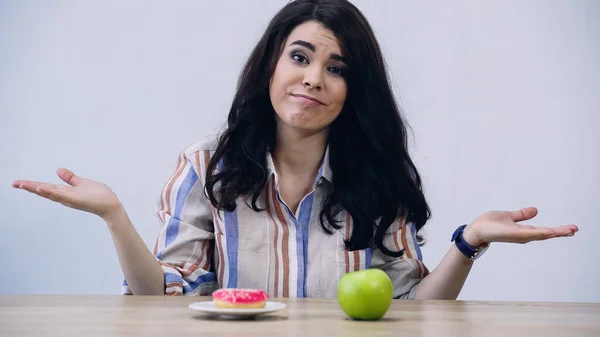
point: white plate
(209, 307)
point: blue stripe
(413, 233)
(299, 245)
(304, 219)
(182, 193)
(191, 286)
(368, 257)
(299, 257)
(231, 240)
(173, 278)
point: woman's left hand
(500, 226)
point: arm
(182, 259)
(137, 262)
(181, 264)
(447, 280)
(141, 270)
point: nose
(313, 78)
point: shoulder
(197, 155)
(203, 146)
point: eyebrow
(312, 48)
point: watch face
(481, 252)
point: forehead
(318, 35)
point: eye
(299, 58)
(336, 70)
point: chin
(301, 120)
(305, 126)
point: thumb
(68, 177)
(524, 214)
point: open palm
(501, 226)
(83, 194)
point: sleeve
(186, 240)
(407, 270)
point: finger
(524, 214)
(19, 183)
(56, 193)
(45, 190)
(568, 230)
(572, 227)
(68, 177)
(48, 192)
(558, 231)
(28, 185)
(527, 226)
(525, 235)
(529, 233)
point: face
(308, 88)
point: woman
(310, 180)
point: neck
(299, 154)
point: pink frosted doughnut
(240, 298)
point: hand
(81, 194)
(500, 226)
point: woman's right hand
(82, 194)
(143, 273)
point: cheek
(274, 84)
(279, 84)
(277, 73)
(339, 93)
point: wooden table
(45, 315)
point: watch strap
(464, 247)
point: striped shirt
(284, 253)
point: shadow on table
(260, 318)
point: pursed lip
(310, 98)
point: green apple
(365, 294)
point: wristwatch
(472, 253)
